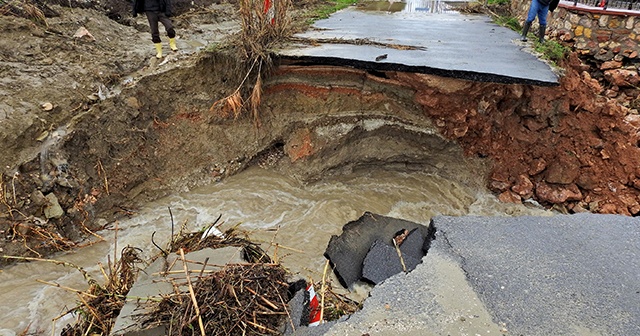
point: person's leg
(171, 33)
(533, 10)
(152, 17)
(543, 11)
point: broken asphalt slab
(382, 260)
(347, 252)
(454, 45)
(561, 275)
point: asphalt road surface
(561, 275)
(448, 44)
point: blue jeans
(540, 10)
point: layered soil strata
(73, 168)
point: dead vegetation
(255, 294)
(26, 9)
(240, 299)
(99, 305)
(335, 305)
(243, 299)
(193, 242)
(264, 24)
(35, 235)
(247, 299)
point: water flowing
(274, 209)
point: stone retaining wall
(611, 37)
(605, 34)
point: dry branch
(192, 293)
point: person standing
(157, 11)
(540, 8)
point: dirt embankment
(87, 160)
(568, 146)
(60, 73)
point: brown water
(300, 217)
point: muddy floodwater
(273, 208)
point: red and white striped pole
(314, 306)
(269, 11)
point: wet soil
(123, 128)
(53, 77)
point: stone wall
(610, 38)
(605, 34)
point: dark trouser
(154, 18)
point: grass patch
(331, 7)
(509, 21)
(551, 50)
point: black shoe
(525, 30)
(541, 32)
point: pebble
(47, 106)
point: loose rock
(47, 106)
(52, 209)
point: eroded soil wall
(561, 146)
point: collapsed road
(553, 145)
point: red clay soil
(566, 145)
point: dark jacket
(141, 6)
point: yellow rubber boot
(158, 50)
(172, 44)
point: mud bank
(563, 146)
(160, 136)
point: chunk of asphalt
(348, 251)
(414, 245)
(383, 261)
(298, 311)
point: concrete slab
(152, 284)
(434, 299)
(449, 44)
(143, 291)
